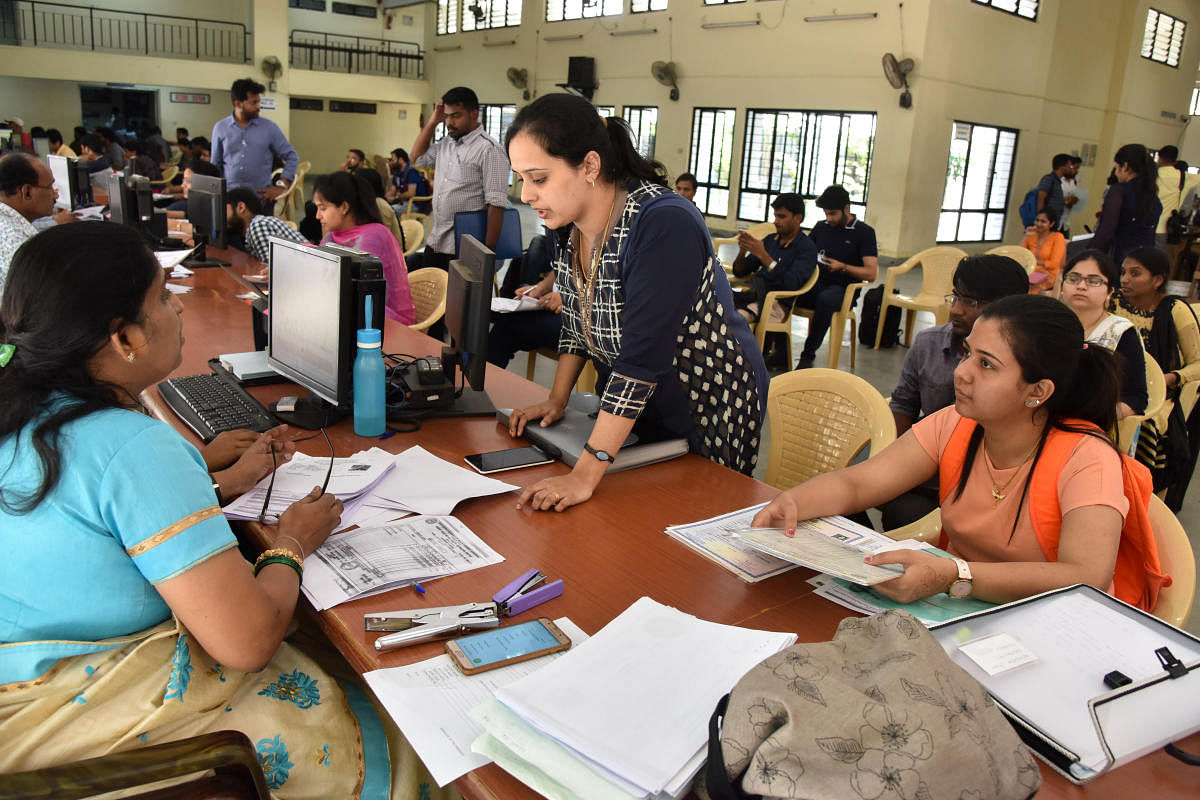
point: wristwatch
(962, 585)
(600, 455)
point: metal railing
(106, 30)
(327, 52)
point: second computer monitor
(206, 209)
(469, 308)
(71, 181)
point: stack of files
(367, 561)
(375, 486)
(625, 714)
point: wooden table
(610, 551)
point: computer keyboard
(211, 404)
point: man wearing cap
(18, 131)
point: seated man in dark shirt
(781, 262)
(846, 253)
(91, 150)
(407, 182)
(926, 380)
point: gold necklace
(585, 285)
(1001, 492)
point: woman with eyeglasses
(1169, 330)
(128, 615)
(1031, 488)
(1087, 288)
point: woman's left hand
(924, 575)
(226, 448)
(557, 494)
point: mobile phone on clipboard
(508, 645)
(513, 458)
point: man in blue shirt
(781, 262)
(846, 253)
(1049, 188)
(407, 182)
(243, 146)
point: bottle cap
(370, 337)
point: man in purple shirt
(244, 144)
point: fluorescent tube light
(504, 43)
(840, 17)
(737, 23)
(633, 32)
(564, 38)
(450, 48)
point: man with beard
(471, 174)
(243, 220)
(244, 144)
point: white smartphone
(514, 458)
(509, 645)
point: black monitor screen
(469, 306)
(130, 200)
(206, 208)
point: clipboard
(1060, 705)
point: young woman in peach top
(1049, 246)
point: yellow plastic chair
(784, 326)
(1177, 559)
(937, 280)
(414, 235)
(820, 420)
(587, 378)
(760, 231)
(388, 217)
(927, 529)
(1019, 254)
(168, 175)
(1156, 391)
(837, 328)
(293, 197)
(428, 287)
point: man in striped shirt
(471, 172)
(242, 217)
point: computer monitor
(130, 201)
(72, 181)
(317, 304)
(469, 311)
(41, 146)
(206, 212)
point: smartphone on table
(514, 458)
(508, 645)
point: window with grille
(495, 119)
(480, 15)
(643, 121)
(711, 158)
(1026, 9)
(606, 111)
(978, 178)
(640, 6)
(559, 10)
(447, 16)
(804, 152)
(1163, 38)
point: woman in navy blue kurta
(643, 297)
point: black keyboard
(211, 404)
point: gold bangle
(278, 551)
(299, 546)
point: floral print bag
(879, 712)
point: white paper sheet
(170, 259)
(431, 702)
(427, 484)
(175, 288)
(833, 545)
(408, 551)
(712, 539)
(632, 699)
(507, 305)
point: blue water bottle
(369, 384)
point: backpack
(869, 320)
(1028, 210)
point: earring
(593, 182)
(1030, 403)
(131, 358)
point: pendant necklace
(1000, 492)
(585, 284)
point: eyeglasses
(1092, 281)
(969, 302)
(271, 519)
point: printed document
(408, 551)
(431, 702)
(833, 545)
(507, 305)
(713, 538)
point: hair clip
(6, 353)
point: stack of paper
(431, 702)
(374, 485)
(507, 305)
(713, 538)
(372, 560)
(626, 713)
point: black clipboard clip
(1173, 666)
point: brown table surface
(610, 551)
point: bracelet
(299, 546)
(217, 491)
(278, 556)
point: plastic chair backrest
(428, 287)
(820, 419)
(1019, 254)
(414, 235)
(1177, 559)
(937, 269)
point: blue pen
(420, 589)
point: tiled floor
(880, 368)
